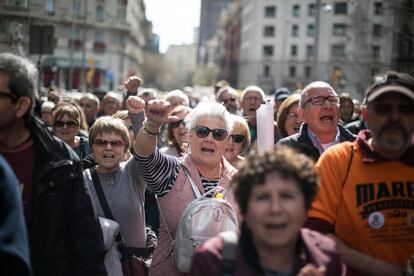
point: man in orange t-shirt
(366, 196)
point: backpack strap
(229, 251)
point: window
(98, 36)
(270, 11)
(309, 50)
(269, 31)
(296, 10)
(292, 71)
(99, 13)
(74, 33)
(17, 3)
(266, 71)
(311, 9)
(293, 50)
(310, 30)
(376, 51)
(267, 51)
(341, 8)
(378, 8)
(120, 39)
(121, 14)
(295, 30)
(308, 72)
(338, 51)
(75, 8)
(376, 30)
(339, 30)
(50, 6)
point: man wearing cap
(280, 95)
(319, 109)
(227, 96)
(366, 194)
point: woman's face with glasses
(108, 150)
(235, 144)
(208, 141)
(179, 130)
(66, 128)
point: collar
(317, 143)
(370, 156)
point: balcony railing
(75, 44)
(99, 46)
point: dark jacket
(66, 238)
(303, 143)
(318, 250)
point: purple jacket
(318, 249)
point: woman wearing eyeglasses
(209, 125)
(66, 123)
(288, 119)
(238, 142)
(177, 132)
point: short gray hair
(209, 109)
(178, 93)
(91, 97)
(304, 95)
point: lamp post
(316, 43)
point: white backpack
(202, 219)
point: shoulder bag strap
(229, 251)
(349, 166)
(193, 185)
(164, 220)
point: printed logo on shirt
(376, 220)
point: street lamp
(325, 8)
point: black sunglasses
(237, 138)
(177, 124)
(69, 124)
(105, 143)
(385, 109)
(219, 134)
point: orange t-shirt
(374, 211)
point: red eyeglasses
(104, 143)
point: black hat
(281, 93)
(391, 82)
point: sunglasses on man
(219, 134)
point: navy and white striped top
(161, 170)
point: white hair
(209, 109)
(48, 104)
(304, 95)
(253, 88)
(178, 93)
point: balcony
(99, 46)
(75, 44)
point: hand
(135, 104)
(311, 270)
(158, 111)
(132, 83)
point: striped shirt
(161, 170)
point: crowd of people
(334, 196)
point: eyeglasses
(320, 100)
(9, 95)
(177, 124)
(226, 101)
(69, 124)
(292, 115)
(251, 98)
(385, 109)
(219, 134)
(104, 143)
(237, 138)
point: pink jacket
(173, 205)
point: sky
(173, 20)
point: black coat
(65, 236)
(303, 143)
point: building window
(308, 72)
(293, 51)
(312, 9)
(270, 11)
(292, 71)
(50, 6)
(75, 8)
(120, 39)
(99, 13)
(295, 30)
(341, 8)
(121, 14)
(99, 36)
(378, 8)
(310, 31)
(376, 51)
(338, 51)
(376, 30)
(17, 3)
(296, 10)
(339, 30)
(269, 31)
(74, 33)
(309, 51)
(266, 71)
(267, 51)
